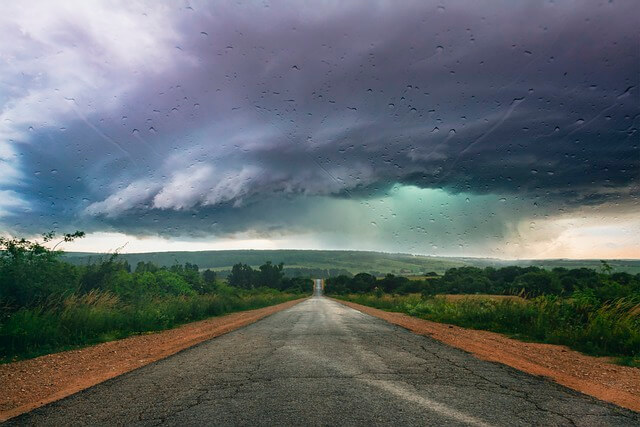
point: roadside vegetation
(48, 304)
(596, 312)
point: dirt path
(31, 383)
(594, 376)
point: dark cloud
(261, 106)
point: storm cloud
(208, 119)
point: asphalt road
(321, 363)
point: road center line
(426, 403)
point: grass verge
(101, 316)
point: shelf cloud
(208, 119)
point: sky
(455, 128)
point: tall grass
(607, 329)
(95, 317)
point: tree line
(32, 275)
(267, 275)
(513, 280)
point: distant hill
(322, 263)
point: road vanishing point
(321, 363)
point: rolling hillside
(326, 263)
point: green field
(322, 263)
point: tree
(271, 275)
(208, 282)
(337, 285)
(209, 276)
(143, 267)
(297, 284)
(392, 283)
(30, 272)
(173, 283)
(242, 276)
(100, 275)
(605, 267)
(362, 282)
(539, 282)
